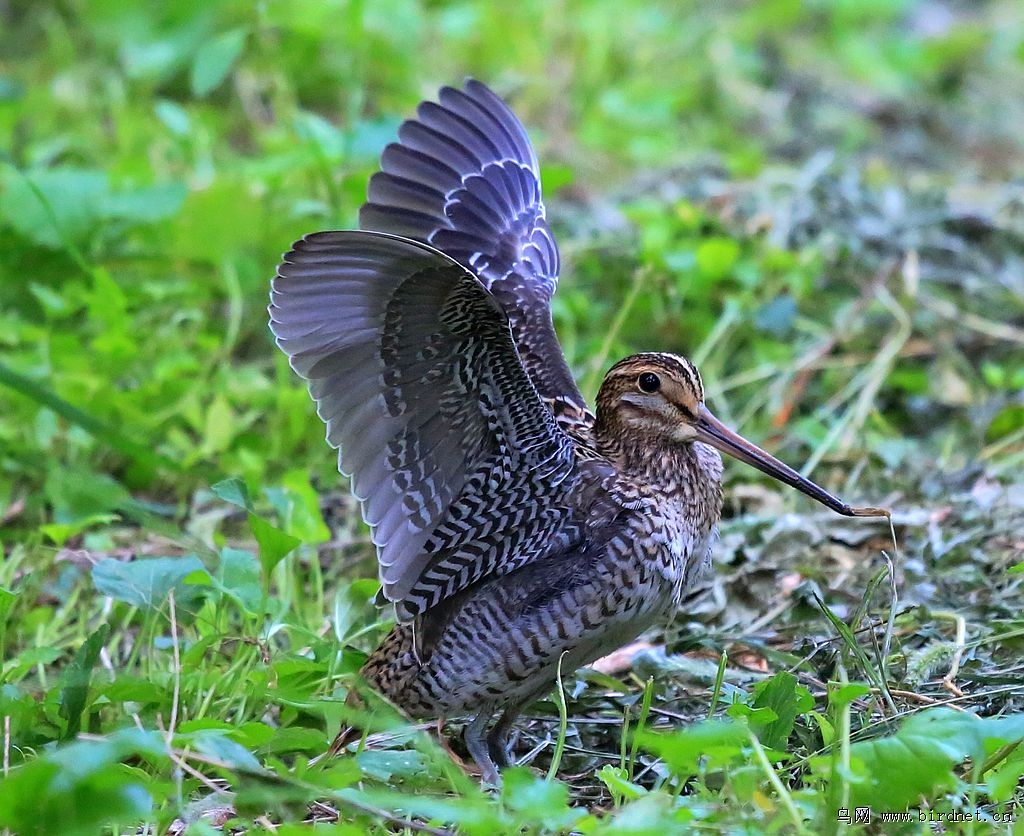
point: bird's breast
(673, 544)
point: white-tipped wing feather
(461, 469)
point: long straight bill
(712, 431)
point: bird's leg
(497, 740)
(477, 744)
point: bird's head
(658, 399)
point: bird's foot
(478, 744)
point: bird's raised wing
(458, 463)
(464, 178)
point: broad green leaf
(471, 810)
(352, 606)
(146, 204)
(934, 741)
(219, 428)
(127, 688)
(53, 207)
(337, 774)
(754, 717)
(1003, 781)
(650, 815)
(60, 533)
(238, 577)
(387, 765)
(148, 581)
(257, 793)
(292, 740)
(174, 116)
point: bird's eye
(648, 382)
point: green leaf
(147, 582)
(99, 429)
(78, 789)
(77, 493)
(53, 207)
(787, 700)
(14, 669)
(538, 801)
(1006, 422)
(238, 577)
(174, 117)
(754, 717)
(352, 607)
(216, 744)
(214, 60)
(61, 207)
(220, 426)
(60, 533)
(298, 505)
(256, 793)
(1003, 781)
(274, 544)
(128, 688)
(650, 815)
(146, 204)
(618, 783)
(935, 741)
(554, 177)
(389, 765)
(292, 740)
(846, 694)
(235, 491)
(714, 741)
(470, 810)
(75, 681)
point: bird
(518, 532)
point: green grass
(819, 202)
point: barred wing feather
(460, 467)
(464, 178)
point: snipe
(513, 526)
